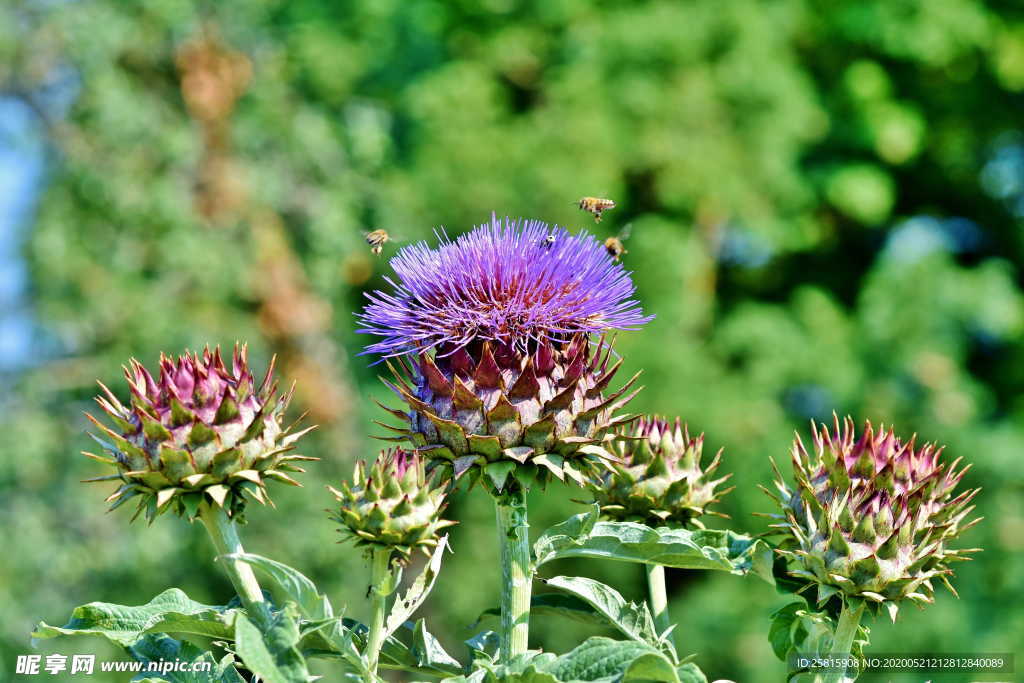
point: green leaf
(272, 653)
(483, 647)
(780, 632)
(159, 648)
(429, 653)
(723, 550)
(795, 628)
(690, 673)
(604, 659)
(170, 612)
(633, 620)
(405, 605)
(555, 604)
(397, 655)
(479, 676)
(327, 638)
(292, 583)
(598, 660)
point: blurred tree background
(827, 209)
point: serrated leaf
(394, 654)
(272, 653)
(159, 647)
(331, 639)
(722, 550)
(170, 612)
(485, 643)
(606, 660)
(406, 604)
(555, 604)
(428, 651)
(295, 586)
(632, 620)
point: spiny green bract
(197, 433)
(658, 479)
(871, 518)
(393, 505)
(495, 410)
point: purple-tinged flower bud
(873, 517)
(196, 433)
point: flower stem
(379, 573)
(658, 597)
(516, 575)
(224, 534)
(842, 641)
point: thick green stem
(224, 534)
(842, 641)
(658, 596)
(379, 578)
(516, 576)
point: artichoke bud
(891, 512)
(397, 505)
(501, 413)
(196, 433)
(658, 479)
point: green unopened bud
(659, 479)
(396, 505)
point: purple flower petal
(503, 282)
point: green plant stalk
(224, 534)
(379, 575)
(842, 641)
(516, 574)
(658, 596)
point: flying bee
(376, 239)
(614, 246)
(596, 206)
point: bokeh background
(827, 209)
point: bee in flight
(596, 206)
(614, 246)
(376, 239)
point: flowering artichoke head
(871, 518)
(499, 355)
(658, 478)
(196, 433)
(394, 504)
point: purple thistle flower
(505, 282)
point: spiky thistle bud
(394, 504)
(871, 518)
(196, 433)
(503, 374)
(658, 477)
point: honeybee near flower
(376, 239)
(614, 246)
(596, 206)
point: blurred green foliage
(826, 198)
